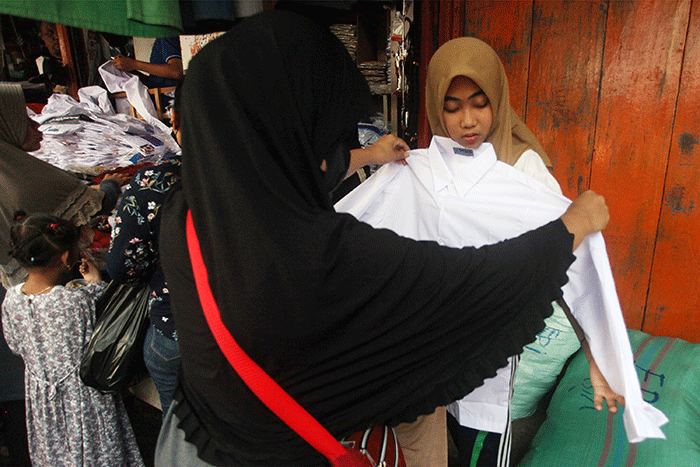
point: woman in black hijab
(360, 326)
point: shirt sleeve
(531, 164)
(171, 48)
(95, 290)
(8, 329)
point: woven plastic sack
(574, 433)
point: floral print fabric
(68, 423)
(133, 255)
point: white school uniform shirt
(460, 197)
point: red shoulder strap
(267, 390)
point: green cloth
(140, 18)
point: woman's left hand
(602, 390)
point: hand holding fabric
(388, 148)
(123, 63)
(88, 269)
(602, 390)
(586, 215)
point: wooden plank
(67, 60)
(440, 22)
(641, 73)
(426, 13)
(507, 27)
(451, 18)
(674, 291)
(563, 94)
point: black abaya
(359, 325)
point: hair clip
(53, 225)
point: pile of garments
(88, 137)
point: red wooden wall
(611, 89)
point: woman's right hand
(124, 63)
(120, 178)
(88, 269)
(587, 214)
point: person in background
(164, 67)
(51, 60)
(359, 325)
(134, 257)
(31, 184)
(49, 326)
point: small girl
(49, 325)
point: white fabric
(96, 98)
(40, 64)
(136, 92)
(487, 408)
(473, 200)
(60, 105)
(114, 78)
(78, 137)
(532, 164)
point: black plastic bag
(113, 359)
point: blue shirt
(163, 50)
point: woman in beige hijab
(30, 184)
(512, 140)
(468, 101)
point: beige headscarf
(30, 184)
(473, 58)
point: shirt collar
(468, 169)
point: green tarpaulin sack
(577, 434)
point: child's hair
(36, 239)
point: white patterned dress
(68, 423)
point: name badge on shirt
(464, 152)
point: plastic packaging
(113, 359)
